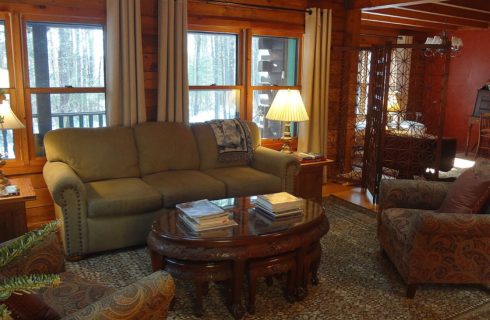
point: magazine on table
(200, 209)
(280, 201)
(278, 215)
(228, 222)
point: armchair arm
(148, 298)
(414, 194)
(68, 192)
(282, 165)
(462, 224)
(44, 257)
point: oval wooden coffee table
(224, 253)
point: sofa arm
(457, 224)
(414, 194)
(68, 192)
(282, 165)
(148, 298)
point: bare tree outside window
(66, 77)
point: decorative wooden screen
(374, 131)
(405, 116)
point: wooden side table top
(319, 162)
(26, 191)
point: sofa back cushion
(208, 148)
(165, 146)
(94, 153)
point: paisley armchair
(77, 298)
(427, 246)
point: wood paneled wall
(200, 13)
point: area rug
(356, 281)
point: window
(65, 85)
(216, 87)
(274, 63)
(6, 136)
(213, 76)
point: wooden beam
(407, 22)
(382, 4)
(429, 17)
(448, 11)
(400, 28)
(477, 5)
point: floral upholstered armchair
(76, 298)
(428, 245)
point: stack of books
(306, 157)
(279, 205)
(204, 215)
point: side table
(309, 181)
(13, 221)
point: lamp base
(286, 147)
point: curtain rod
(248, 5)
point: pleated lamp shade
(287, 106)
(8, 120)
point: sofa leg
(411, 289)
(75, 258)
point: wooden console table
(309, 181)
(13, 221)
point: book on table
(280, 201)
(263, 222)
(203, 215)
(277, 215)
(208, 225)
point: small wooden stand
(309, 181)
(13, 221)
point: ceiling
(425, 15)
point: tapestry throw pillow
(468, 194)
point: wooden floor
(353, 194)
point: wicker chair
(77, 298)
(430, 247)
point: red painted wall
(467, 73)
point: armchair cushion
(73, 294)
(468, 194)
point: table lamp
(393, 109)
(8, 120)
(287, 106)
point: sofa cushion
(246, 181)
(165, 146)
(185, 185)
(94, 153)
(121, 197)
(208, 149)
(468, 194)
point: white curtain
(313, 134)
(125, 92)
(173, 90)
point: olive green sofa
(109, 184)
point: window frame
(250, 88)
(15, 85)
(35, 160)
(239, 33)
(244, 67)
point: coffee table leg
(300, 279)
(236, 307)
(156, 261)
